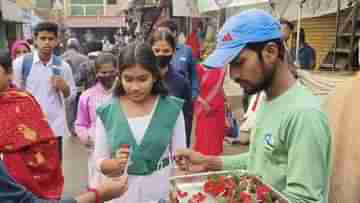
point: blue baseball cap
(247, 27)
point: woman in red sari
(28, 147)
(209, 111)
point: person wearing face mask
(105, 65)
(164, 45)
(20, 48)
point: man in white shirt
(47, 77)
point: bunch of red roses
(233, 189)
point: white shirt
(141, 188)
(38, 84)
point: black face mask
(106, 81)
(163, 60)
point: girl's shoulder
(108, 104)
(171, 100)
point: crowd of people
(150, 111)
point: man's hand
(113, 188)
(60, 85)
(194, 162)
(190, 161)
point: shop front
(11, 22)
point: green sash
(146, 156)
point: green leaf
(253, 198)
(221, 200)
(268, 198)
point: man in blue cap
(291, 141)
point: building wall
(43, 3)
(66, 7)
(107, 7)
(85, 7)
(3, 38)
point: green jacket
(290, 147)
(146, 156)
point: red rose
(181, 194)
(261, 192)
(245, 197)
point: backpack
(27, 66)
(88, 75)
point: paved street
(74, 167)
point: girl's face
(22, 50)
(163, 52)
(162, 48)
(137, 83)
(4, 79)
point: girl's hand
(122, 157)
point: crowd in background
(152, 91)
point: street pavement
(74, 167)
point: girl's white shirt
(150, 188)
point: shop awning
(213, 5)
(311, 8)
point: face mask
(163, 60)
(106, 81)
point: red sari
(210, 124)
(28, 146)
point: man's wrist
(66, 90)
(97, 193)
(213, 163)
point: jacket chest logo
(269, 141)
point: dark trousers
(188, 128)
(60, 145)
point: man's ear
(271, 52)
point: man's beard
(269, 74)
